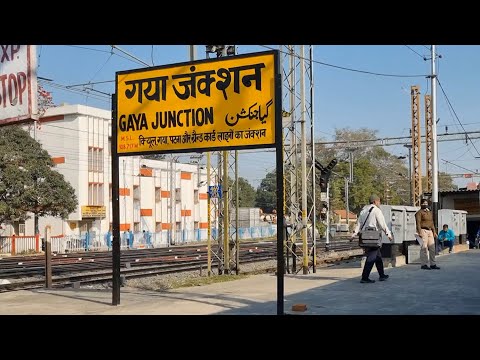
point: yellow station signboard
(207, 104)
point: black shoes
(367, 281)
(426, 267)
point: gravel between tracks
(169, 281)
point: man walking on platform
(372, 216)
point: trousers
(374, 257)
(428, 243)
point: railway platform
(332, 290)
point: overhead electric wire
(101, 67)
(456, 116)
(461, 167)
(430, 49)
(93, 83)
(104, 51)
(130, 55)
(81, 92)
(422, 56)
(88, 48)
(347, 69)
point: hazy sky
(342, 98)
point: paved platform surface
(336, 290)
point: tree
(445, 182)
(375, 170)
(246, 192)
(28, 182)
(371, 166)
(266, 198)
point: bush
(321, 227)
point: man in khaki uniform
(426, 230)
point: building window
(99, 160)
(95, 194)
(90, 158)
(136, 227)
(158, 227)
(195, 196)
(19, 228)
(95, 159)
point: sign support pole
(115, 208)
(280, 209)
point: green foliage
(246, 193)
(375, 171)
(322, 228)
(266, 198)
(28, 182)
(445, 182)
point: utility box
(400, 220)
(410, 222)
(461, 232)
(395, 219)
(447, 216)
(456, 220)
(413, 254)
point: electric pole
(416, 146)
(303, 160)
(434, 140)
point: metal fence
(16, 245)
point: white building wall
(69, 131)
(147, 203)
(126, 183)
(185, 206)
(63, 138)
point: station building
(164, 197)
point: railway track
(27, 272)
